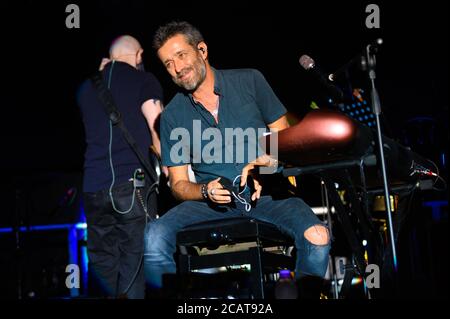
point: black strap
(107, 100)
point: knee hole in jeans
(317, 235)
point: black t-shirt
(130, 89)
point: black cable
(438, 177)
(152, 188)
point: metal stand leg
(332, 269)
(257, 284)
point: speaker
(43, 206)
(37, 269)
(47, 198)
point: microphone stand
(332, 263)
(376, 108)
(17, 242)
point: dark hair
(167, 31)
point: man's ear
(139, 56)
(203, 48)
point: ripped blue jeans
(292, 216)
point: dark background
(43, 63)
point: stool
(257, 239)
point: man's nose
(178, 65)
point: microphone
(359, 60)
(376, 44)
(310, 66)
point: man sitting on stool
(216, 101)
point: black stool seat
(234, 231)
(231, 231)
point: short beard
(195, 83)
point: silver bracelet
(204, 190)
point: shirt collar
(218, 82)
(218, 85)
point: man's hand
(217, 193)
(165, 171)
(258, 188)
(104, 62)
(264, 160)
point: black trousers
(115, 241)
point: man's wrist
(273, 162)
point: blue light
(37, 228)
(84, 259)
(84, 266)
(436, 210)
(362, 111)
(357, 112)
(366, 117)
(81, 226)
(75, 234)
(364, 102)
(351, 113)
(370, 124)
(353, 106)
(359, 104)
(360, 118)
(72, 240)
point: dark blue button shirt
(190, 135)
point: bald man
(126, 49)
(115, 202)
